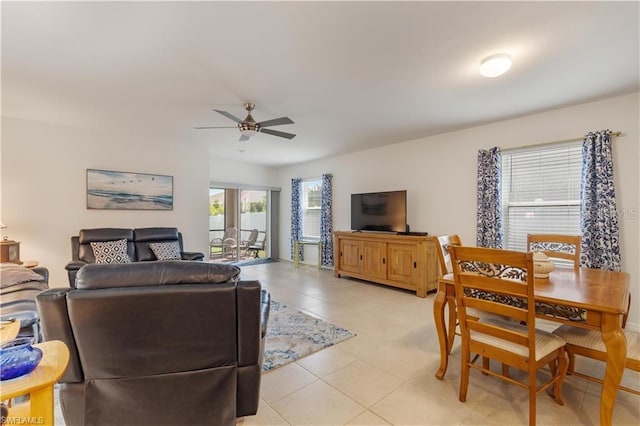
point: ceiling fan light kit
(248, 127)
(495, 65)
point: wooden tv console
(404, 261)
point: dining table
(582, 297)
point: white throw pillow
(166, 251)
(111, 251)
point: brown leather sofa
(158, 343)
(138, 245)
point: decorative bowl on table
(18, 357)
(542, 265)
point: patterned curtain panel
(489, 218)
(326, 221)
(296, 213)
(600, 247)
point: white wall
(238, 174)
(439, 173)
(44, 188)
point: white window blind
(311, 206)
(540, 192)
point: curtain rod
(616, 133)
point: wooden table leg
(42, 405)
(438, 316)
(616, 343)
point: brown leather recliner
(158, 343)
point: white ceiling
(351, 76)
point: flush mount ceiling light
(495, 65)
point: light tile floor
(385, 374)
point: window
(311, 205)
(540, 192)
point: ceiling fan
(249, 127)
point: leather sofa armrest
(54, 320)
(264, 312)
(74, 265)
(249, 313)
(192, 255)
(72, 270)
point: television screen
(379, 211)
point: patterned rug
(292, 335)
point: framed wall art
(111, 190)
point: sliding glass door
(239, 224)
(253, 224)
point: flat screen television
(379, 211)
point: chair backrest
(230, 232)
(443, 254)
(253, 237)
(556, 246)
(81, 244)
(144, 237)
(498, 282)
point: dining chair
(566, 247)
(501, 282)
(589, 344)
(443, 242)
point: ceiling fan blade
(228, 115)
(278, 133)
(215, 127)
(275, 122)
(243, 138)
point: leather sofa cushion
(88, 236)
(145, 236)
(95, 276)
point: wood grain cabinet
(404, 261)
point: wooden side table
(296, 251)
(9, 330)
(30, 263)
(38, 385)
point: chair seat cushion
(592, 339)
(545, 342)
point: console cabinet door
(350, 255)
(403, 264)
(374, 259)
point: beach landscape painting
(111, 190)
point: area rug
(252, 262)
(292, 335)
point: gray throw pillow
(111, 251)
(166, 251)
